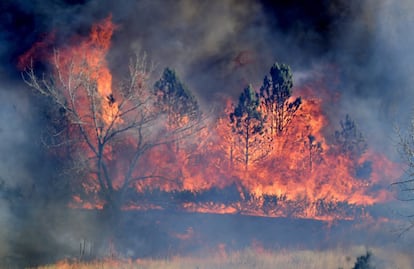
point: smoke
(19, 165)
(217, 47)
(374, 57)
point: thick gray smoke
(217, 47)
(374, 55)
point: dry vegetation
(248, 259)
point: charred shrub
(364, 262)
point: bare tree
(405, 185)
(111, 129)
(314, 150)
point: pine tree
(247, 125)
(174, 99)
(350, 139)
(275, 94)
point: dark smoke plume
(217, 47)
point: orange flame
(304, 175)
(89, 56)
(326, 187)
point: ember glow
(137, 130)
(86, 57)
(301, 173)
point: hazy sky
(361, 49)
(217, 47)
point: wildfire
(91, 54)
(301, 172)
(86, 57)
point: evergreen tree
(174, 99)
(350, 139)
(247, 125)
(275, 94)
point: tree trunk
(246, 159)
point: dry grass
(251, 259)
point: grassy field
(249, 259)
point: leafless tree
(109, 131)
(405, 185)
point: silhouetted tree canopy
(350, 139)
(247, 124)
(276, 93)
(364, 262)
(175, 99)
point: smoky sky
(218, 47)
(202, 39)
(363, 48)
